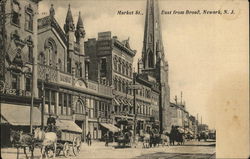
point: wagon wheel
(76, 145)
(49, 151)
(58, 150)
(66, 149)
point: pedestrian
(88, 138)
(106, 138)
(51, 122)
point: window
(103, 67)
(69, 65)
(96, 109)
(115, 84)
(69, 104)
(60, 99)
(115, 65)
(15, 81)
(53, 97)
(28, 84)
(119, 67)
(15, 13)
(123, 69)
(126, 69)
(65, 100)
(150, 59)
(30, 54)
(29, 21)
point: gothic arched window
(80, 107)
(150, 59)
(51, 52)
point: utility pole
(32, 95)
(2, 38)
(135, 111)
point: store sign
(16, 92)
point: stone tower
(69, 29)
(153, 58)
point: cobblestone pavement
(192, 149)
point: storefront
(17, 117)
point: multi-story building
(178, 116)
(111, 63)
(63, 69)
(18, 58)
(193, 125)
(147, 102)
(153, 60)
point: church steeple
(80, 32)
(152, 50)
(69, 23)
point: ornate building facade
(111, 63)
(18, 59)
(63, 68)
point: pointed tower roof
(79, 22)
(69, 17)
(152, 42)
(80, 32)
(69, 23)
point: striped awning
(116, 102)
(110, 127)
(19, 115)
(68, 125)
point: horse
(22, 140)
(48, 139)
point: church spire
(69, 23)
(80, 32)
(152, 44)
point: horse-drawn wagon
(68, 138)
(124, 139)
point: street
(191, 149)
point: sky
(201, 50)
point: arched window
(51, 52)
(80, 107)
(150, 59)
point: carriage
(68, 140)
(123, 139)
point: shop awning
(20, 114)
(3, 121)
(110, 127)
(130, 103)
(116, 101)
(68, 125)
